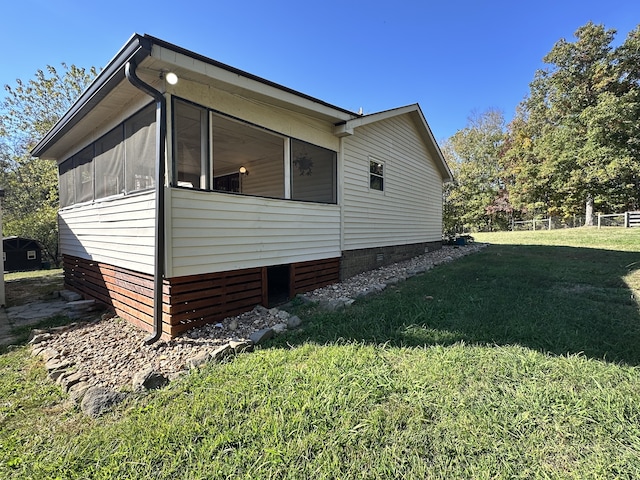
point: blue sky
(453, 58)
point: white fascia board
(347, 128)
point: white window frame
(32, 255)
(373, 159)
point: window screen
(238, 144)
(313, 173)
(190, 136)
(83, 168)
(140, 150)
(67, 184)
(109, 163)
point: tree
(477, 198)
(27, 113)
(573, 147)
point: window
(190, 137)
(238, 144)
(99, 170)
(140, 150)
(83, 168)
(31, 254)
(109, 163)
(313, 173)
(376, 175)
(67, 184)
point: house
(191, 190)
(21, 254)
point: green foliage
(575, 140)
(573, 147)
(27, 113)
(476, 199)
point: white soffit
(197, 70)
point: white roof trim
(347, 128)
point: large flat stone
(261, 335)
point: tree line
(572, 148)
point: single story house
(191, 190)
(21, 254)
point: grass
(517, 362)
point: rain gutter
(161, 136)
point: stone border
(95, 399)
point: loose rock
(294, 322)
(261, 335)
(98, 400)
(148, 379)
(198, 360)
(279, 328)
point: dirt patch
(19, 291)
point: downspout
(161, 136)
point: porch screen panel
(67, 184)
(189, 127)
(109, 163)
(238, 144)
(313, 173)
(140, 150)
(83, 168)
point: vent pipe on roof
(161, 136)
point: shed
(21, 254)
(191, 190)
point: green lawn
(517, 362)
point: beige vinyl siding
(215, 232)
(266, 177)
(117, 231)
(409, 210)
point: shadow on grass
(561, 300)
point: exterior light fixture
(243, 171)
(171, 78)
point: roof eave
(136, 48)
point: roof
(347, 128)
(154, 56)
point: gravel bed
(111, 351)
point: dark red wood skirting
(190, 301)
(307, 276)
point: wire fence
(549, 223)
(626, 219)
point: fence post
(626, 219)
(598, 220)
(549, 222)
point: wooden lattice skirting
(190, 301)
